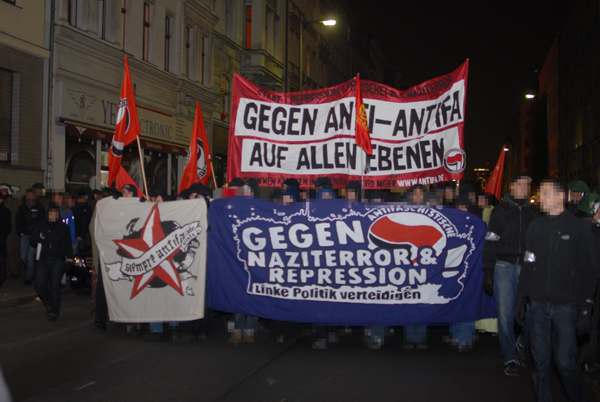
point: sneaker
(320, 344)
(248, 335)
(236, 336)
(511, 369)
(52, 317)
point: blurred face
(247, 191)
(30, 196)
(520, 188)
(351, 195)
(57, 199)
(288, 199)
(482, 201)
(3, 192)
(53, 215)
(327, 195)
(417, 195)
(127, 193)
(552, 199)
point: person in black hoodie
(54, 255)
(557, 282)
(503, 253)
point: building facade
(579, 94)
(69, 69)
(24, 89)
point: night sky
(505, 43)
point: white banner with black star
(153, 258)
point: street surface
(66, 361)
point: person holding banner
(503, 254)
(244, 326)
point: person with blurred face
(54, 256)
(503, 254)
(557, 283)
(129, 191)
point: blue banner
(339, 263)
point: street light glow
(530, 96)
(329, 22)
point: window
(272, 31)
(146, 33)
(102, 19)
(225, 97)
(76, 14)
(205, 61)
(248, 27)
(189, 53)
(229, 20)
(168, 21)
(6, 114)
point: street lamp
(324, 22)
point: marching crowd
(540, 263)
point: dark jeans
(553, 337)
(47, 283)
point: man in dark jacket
(28, 216)
(503, 253)
(52, 240)
(557, 281)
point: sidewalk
(14, 292)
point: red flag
(363, 139)
(197, 165)
(127, 128)
(123, 178)
(495, 181)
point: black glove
(520, 309)
(488, 281)
(68, 265)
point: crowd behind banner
(64, 218)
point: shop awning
(83, 130)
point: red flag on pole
(127, 128)
(123, 179)
(363, 139)
(494, 183)
(198, 168)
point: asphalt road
(66, 361)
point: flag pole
(212, 168)
(142, 165)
